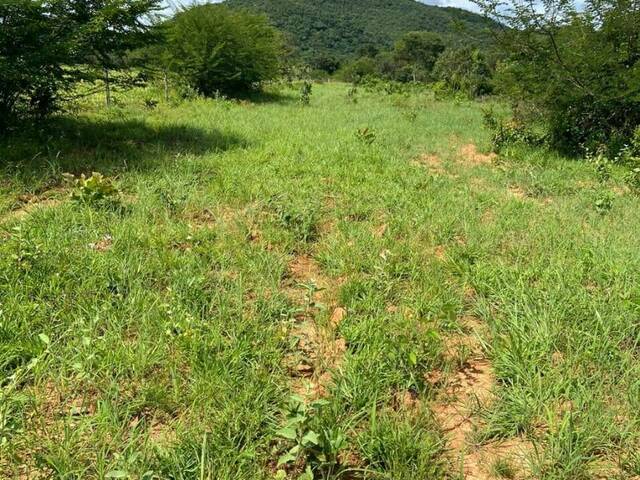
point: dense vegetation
(576, 71)
(47, 48)
(342, 28)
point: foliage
(419, 51)
(319, 449)
(464, 70)
(305, 92)
(357, 70)
(578, 68)
(45, 47)
(347, 29)
(94, 189)
(217, 49)
(366, 135)
(510, 131)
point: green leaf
(287, 432)
(290, 456)
(307, 475)
(44, 338)
(116, 474)
(311, 438)
(413, 359)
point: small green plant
(632, 179)
(27, 251)
(604, 202)
(410, 114)
(94, 189)
(629, 157)
(601, 164)
(366, 135)
(318, 447)
(305, 92)
(502, 468)
(352, 95)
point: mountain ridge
(342, 28)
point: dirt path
(318, 347)
(457, 412)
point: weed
(352, 95)
(366, 135)
(604, 201)
(95, 189)
(502, 468)
(601, 164)
(305, 92)
(319, 449)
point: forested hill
(344, 27)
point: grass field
(269, 284)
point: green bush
(216, 49)
(579, 69)
(47, 47)
(464, 70)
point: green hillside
(343, 27)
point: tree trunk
(166, 86)
(107, 87)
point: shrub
(511, 131)
(578, 68)
(215, 49)
(464, 70)
(46, 47)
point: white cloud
(465, 4)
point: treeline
(573, 74)
(49, 48)
(339, 29)
(423, 57)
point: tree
(419, 50)
(46, 46)
(215, 49)
(464, 70)
(578, 70)
(31, 58)
(105, 30)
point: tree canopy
(217, 49)
(578, 70)
(46, 46)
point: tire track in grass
(318, 349)
(456, 411)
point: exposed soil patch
(468, 389)
(102, 245)
(380, 230)
(521, 194)
(440, 252)
(471, 156)
(431, 162)
(318, 347)
(29, 207)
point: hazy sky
(453, 3)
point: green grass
(152, 336)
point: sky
(466, 4)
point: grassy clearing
(435, 311)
